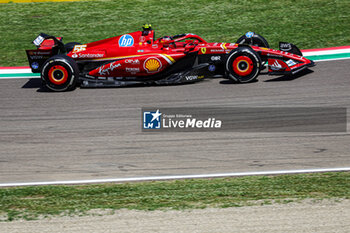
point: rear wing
(43, 40)
(47, 46)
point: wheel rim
(243, 65)
(58, 75)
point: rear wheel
(243, 64)
(70, 46)
(60, 73)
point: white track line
(15, 71)
(332, 59)
(155, 178)
(19, 77)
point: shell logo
(152, 65)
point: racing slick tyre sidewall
(256, 40)
(243, 64)
(60, 73)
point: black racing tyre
(70, 46)
(243, 64)
(255, 40)
(60, 73)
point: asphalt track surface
(96, 133)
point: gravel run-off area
(305, 216)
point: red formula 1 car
(138, 57)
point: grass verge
(309, 24)
(42, 201)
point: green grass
(32, 202)
(309, 24)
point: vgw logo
(126, 41)
(151, 120)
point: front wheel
(60, 73)
(243, 64)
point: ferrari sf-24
(139, 57)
